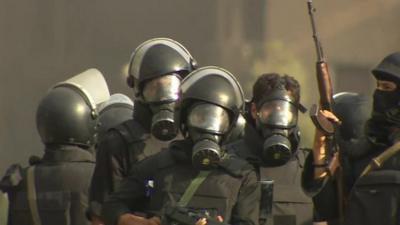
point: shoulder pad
(156, 162)
(34, 160)
(232, 147)
(240, 149)
(303, 153)
(234, 165)
(181, 150)
(131, 131)
(165, 159)
(12, 177)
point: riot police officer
(271, 144)
(55, 189)
(156, 69)
(194, 174)
(374, 173)
(118, 109)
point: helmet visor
(209, 117)
(278, 113)
(162, 89)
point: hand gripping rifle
(185, 216)
(326, 101)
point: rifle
(184, 216)
(326, 102)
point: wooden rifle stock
(324, 86)
(325, 91)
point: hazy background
(45, 41)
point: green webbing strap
(32, 199)
(193, 186)
(3, 208)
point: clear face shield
(162, 89)
(161, 94)
(206, 124)
(210, 118)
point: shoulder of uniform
(234, 146)
(241, 150)
(165, 158)
(235, 165)
(302, 153)
(158, 161)
(175, 153)
(12, 177)
(130, 131)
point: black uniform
(231, 190)
(62, 181)
(120, 149)
(290, 205)
(378, 187)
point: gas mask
(277, 123)
(161, 94)
(206, 124)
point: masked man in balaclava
(373, 193)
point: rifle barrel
(318, 45)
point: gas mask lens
(278, 113)
(208, 117)
(162, 89)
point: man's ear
(253, 110)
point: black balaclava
(385, 114)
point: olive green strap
(3, 208)
(32, 199)
(193, 186)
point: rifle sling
(378, 161)
(32, 198)
(191, 189)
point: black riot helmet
(68, 114)
(237, 131)
(389, 68)
(118, 109)
(211, 102)
(157, 57)
(156, 69)
(353, 110)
